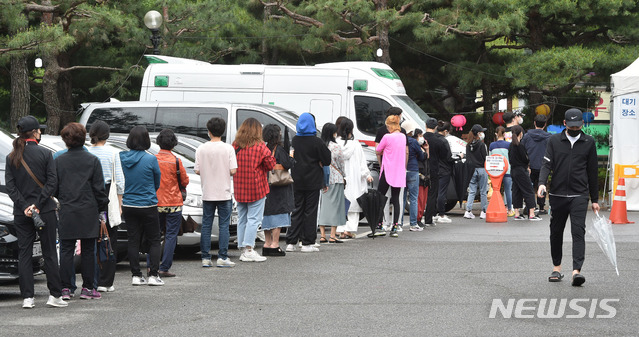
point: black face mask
(573, 133)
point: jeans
(173, 223)
(479, 177)
(508, 191)
(412, 190)
(250, 216)
(224, 209)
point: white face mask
(520, 120)
(481, 136)
(420, 140)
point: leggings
(383, 188)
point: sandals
(555, 276)
(335, 240)
(345, 236)
(323, 240)
(578, 280)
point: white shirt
(214, 161)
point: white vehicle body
(361, 91)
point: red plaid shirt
(250, 182)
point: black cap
(476, 129)
(28, 123)
(431, 123)
(574, 117)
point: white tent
(624, 127)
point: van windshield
(412, 109)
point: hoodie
(476, 154)
(535, 142)
(310, 155)
(141, 178)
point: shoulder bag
(26, 167)
(279, 176)
(179, 180)
(113, 210)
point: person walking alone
(571, 157)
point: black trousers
(87, 262)
(383, 188)
(442, 197)
(304, 218)
(431, 202)
(534, 178)
(143, 222)
(26, 233)
(560, 209)
(522, 188)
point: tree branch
(34, 7)
(451, 28)
(297, 18)
(89, 67)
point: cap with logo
(574, 117)
(28, 123)
(431, 123)
(477, 129)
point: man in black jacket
(572, 157)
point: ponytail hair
(517, 130)
(15, 157)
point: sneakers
(100, 289)
(28, 303)
(380, 231)
(416, 228)
(206, 263)
(520, 217)
(138, 281)
(444, 219)
(534, 218)
(543, 211)
(66, 294)
(399, 228)
(394, 231)
(225, 263)
(252, 256)
(260, 236)
(469, 215)
(309, 249)
(54, 302)
(155, 281)
(482, 215)
(90, 294)
(511, 212)
(435, 218)
(291, 248)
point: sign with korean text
(628, 107)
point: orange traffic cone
(619, 213)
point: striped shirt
(107, 155)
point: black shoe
(267, 251)
(277, 252)
(543, 211)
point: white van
(361, 91)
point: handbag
(189, 225)
(105, 249)
(113, 210)
(279, 176)
(182, 189)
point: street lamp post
(153, 21)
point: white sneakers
(155, 281)
(291, 248)
(207, 263)
(309, 249)
(105, 289)
(444, 219)
(251, 256)
(138, 281)
(28, 303)
(225, 263)
(482, 215)
(469, 215)
(54, 302)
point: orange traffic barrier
(619, 213)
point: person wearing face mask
(424, 175)
(476, 152)
(415, 155)
(522, 188)
(571, 156)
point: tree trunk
(382, 32)
(65, 87)
(50, 93)
(489, 109)
(20, 91)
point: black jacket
(574, 169)
(517, 156)
(310, 155)
(446, 160)
(476, 153)
(280, 199)
(22, 189)
(81, 193)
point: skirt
(277, 220)
(332, 208)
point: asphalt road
(442, 281)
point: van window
(123, 119)
(264, 119)
(188, 121)
(370, 113)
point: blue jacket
(415, 154)
(535, 142)
(141, 178)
